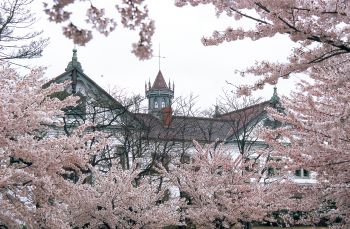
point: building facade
(159, 136)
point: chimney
(167, 116)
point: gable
(107, 111)
(81, 83)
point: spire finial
(75, 57)
(74, 63)
(275, 98)
(159, 57)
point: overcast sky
(202, 71)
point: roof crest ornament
(275, 98)
(74, 63)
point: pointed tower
(159, 95)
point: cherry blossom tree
(319, 29)
(219, 189)
(46, 180)
(133, 16)
(116, 201)
(318, 134)
(30, 186)
(315, 136)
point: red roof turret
(159, 82)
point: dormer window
(302, 173)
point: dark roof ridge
(187, 117)
(244, 108)
(202, 118)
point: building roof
(223, 127)
(253, 111)
(180, 128)
(247, 113)
(184, 128)
(75, 65)
(159, 83)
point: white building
(158, 135)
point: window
(274, 166)
(251, 164)
(302, 173)
(163, 104)
(155, 104)
(271, 171)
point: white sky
(195, 69)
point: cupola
(159, 95)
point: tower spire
(159, 82)
(159, 57)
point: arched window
(155, 104)
(163, 104)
